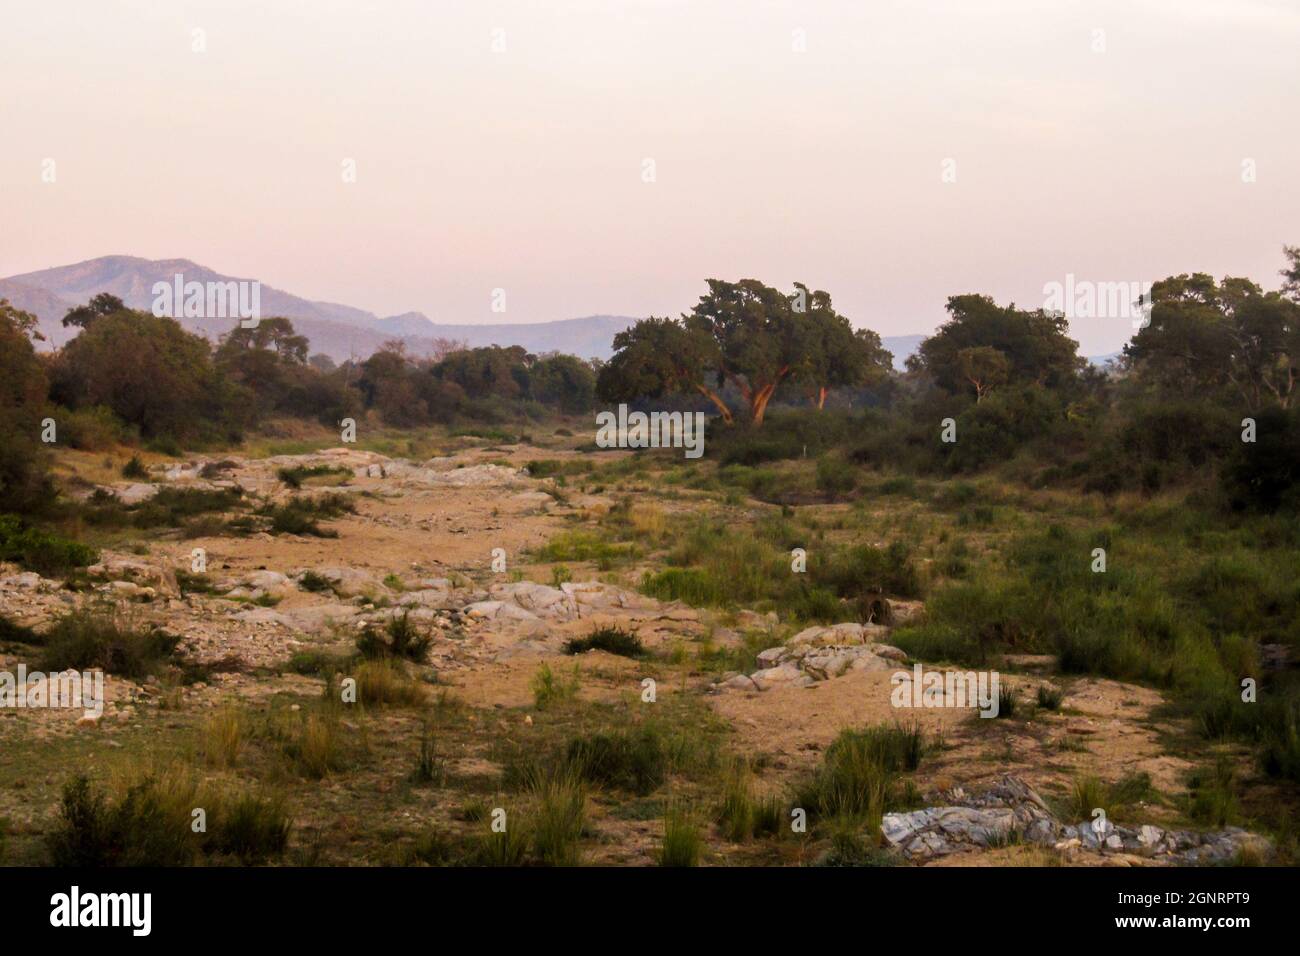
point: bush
(401, 637)
(41, 551)
(84, 640)
(611, 639)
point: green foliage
(41, 551)
(84, 640)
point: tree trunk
(821, 398)
(722, 406)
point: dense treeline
(995, 386)
(134, 377)
(1005, 386)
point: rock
(774, 676)
(905, 612)
(348, 582)
(848, 633)
(540, 600)
(115, 567)
(772, 656)
(27, 581)
(498, 611)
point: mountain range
(339, 331)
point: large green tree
(1205, 336)
(1035, 345)
(150, 372)
(836, 355)
(23, 389)
(658, 357)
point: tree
(760, 340)
(984, 367)
(150, 372)
(563, 381)
(658, 357)
(1035, 344)
(837, 355)
(488, 372)
(82, 315)
(23, 389)
(1205, 336)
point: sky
(607, 157)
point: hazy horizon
(522, 169)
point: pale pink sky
(522, 169)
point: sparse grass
(549, 689)
(1007, 700)
(1089, 793)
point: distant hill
(339, 331)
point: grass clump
(382, 682)
(224, 736)
(631, 760)
(1049, 698)
(611, 639)
(402, 637)
(683, 842)
(859, 771)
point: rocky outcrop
(818, 654)
(1011, 811)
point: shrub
(857, 773)
(85, 640)
(294, 477)
(253, 828)
(611, 639)
(1049, 698)
(402, 637)
(41, 551)
(135, 469)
